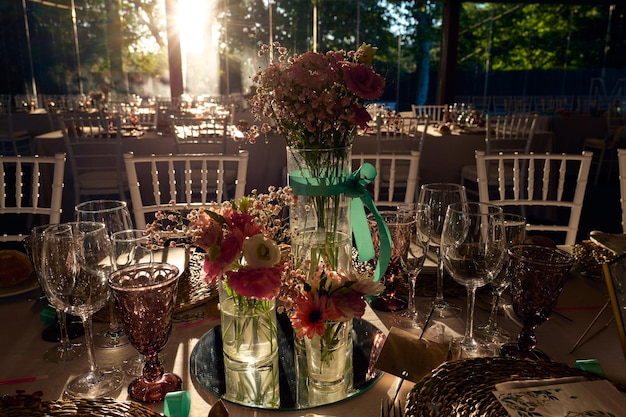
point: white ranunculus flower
(260, 252)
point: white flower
(365, 285)
(260, 252)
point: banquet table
(21, 353)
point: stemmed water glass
(438, 196)
(472, 246)
(65, 350)
(116, 217)
(145, 295)
(537, 277)
(515, 234)
(76, 261)
(413, 261)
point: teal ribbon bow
(352, 186)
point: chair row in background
(549, 105)
(542, 187)
(12, 141)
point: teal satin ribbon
(352, 186)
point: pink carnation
(348, 305)
(363, 81)
(259, 283)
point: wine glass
(145, 295)
(515, 234)
(65, 350)
(400, 224)
(76, 260)
(438, 196)
(132, 247)
(537, 276)
(116, 217)
(413, 261)
(472, 247)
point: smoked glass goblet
(472, 247)
(537, 277)
(401, 224)
(132, 247)
(116, 217)
(145, 296)
(76, 262)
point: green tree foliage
(523, 37)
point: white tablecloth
(21, 352)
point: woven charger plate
(464, 388)
(83, 408)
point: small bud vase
(250, 346)
(327, 358)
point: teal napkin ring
(177, 404)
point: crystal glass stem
(468, 343)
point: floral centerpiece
(322, 314)
(240, 240)
(317, 102)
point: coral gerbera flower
(309, 315)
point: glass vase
(250, 349)
(328, 357)
(320, 220)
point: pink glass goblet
(145, 297)
(401, 224)
(537, 277)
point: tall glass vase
(250, 346)
(320, 220)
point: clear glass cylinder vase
(320, 219)
(328, 356)
(250, 349)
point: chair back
(436, 113)
(397, 176)
(200, 134)
(396, 127)
(24, 195)
(162, 182)
(510, 133)
(94, 150)
(553, 184)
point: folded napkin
(561, 397)
(406, 352)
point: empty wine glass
(65, 350)
(132, 247)
(400, 224)
(116, 217)
(413, 261)
(76, 261)
(438, 196)
(145, 296)
(515, 234)
(472, 246)
(537, 276)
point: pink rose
(259, 283)
(363, 81)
